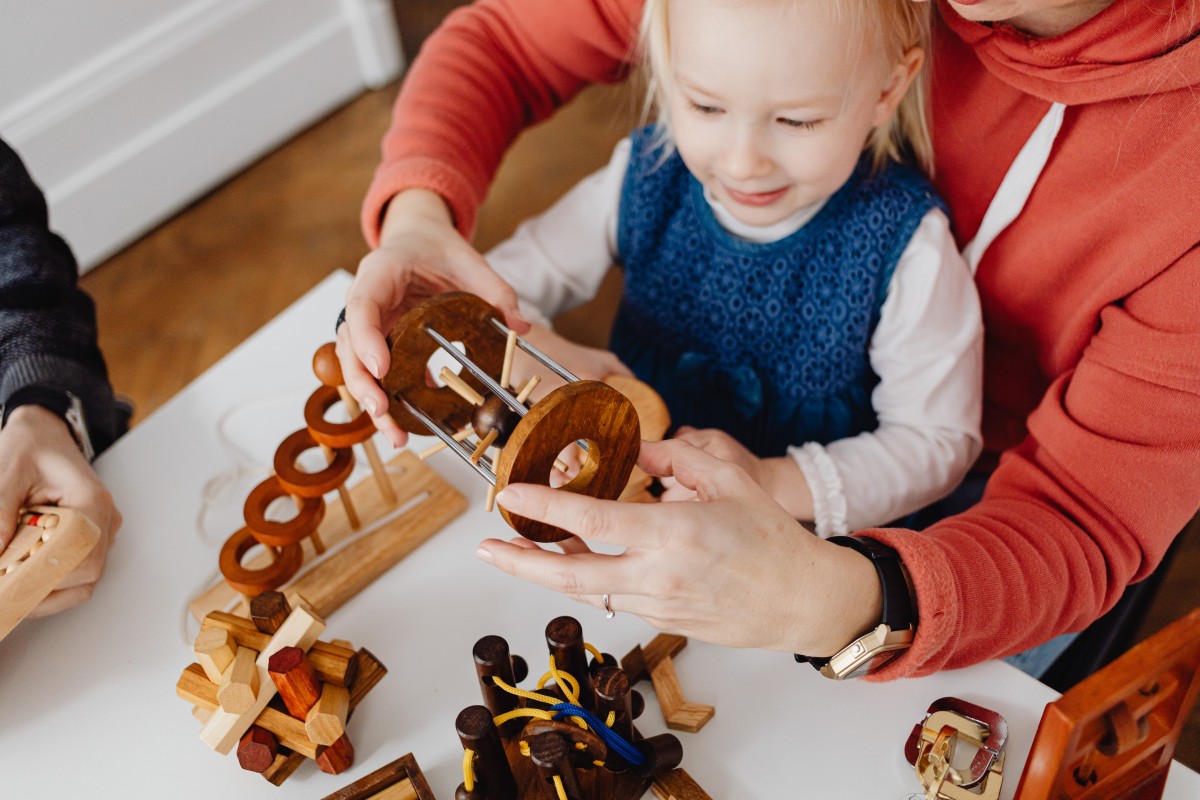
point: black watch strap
(898, 610)
(58, 401)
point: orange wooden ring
(334, 434)
(588, 410)
(296, 481)
(256, 581)
(460, 317)
(280, 534)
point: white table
(87, 700)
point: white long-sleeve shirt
(926, 349)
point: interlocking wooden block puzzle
(571, 736)
(49, 543)
(293, 694)
(328, 552)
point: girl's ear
(897, 83)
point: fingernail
(372, 407)
(510, 498)
(373, 365)
(484, 555)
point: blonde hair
(900, 24)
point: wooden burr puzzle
(570, 738)
(327, 552)
(514, 441)
(268, 687)
(49, 543)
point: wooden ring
(460, 317)
(280, 534)
(296, 481)
(253, 582)
(588, 410)
(334, 434)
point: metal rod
(543, 359)
(470, 366)
(447, 439)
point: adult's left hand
(733, 568)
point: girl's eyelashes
(700, 108)
(801, 124)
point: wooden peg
(551, 756)
(440, 446)
(490, 502)
(477, 732)
(343, 493)
(240, 683)
(337, 757)
(269, 610)
(326, 721)
(528, 388)
(295, 680)
(214, 651)
(483, 445)
(257, 750)
(460, 387)
(564, 639)
(510, 347)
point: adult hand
(781, 478)
(421, 254)
(40, 464)
(732, 569)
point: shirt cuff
(825, 485)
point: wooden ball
(326, 365)
(494, 414)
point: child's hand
(586, 363)
(780, 477)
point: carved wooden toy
(402, 779)
(362, 522)
(293, 694)
(49, 543)
(572, 736)
(656, 662)
(480, 402)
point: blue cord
(611, 738)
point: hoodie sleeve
(47, 323)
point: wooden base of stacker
(426, 503)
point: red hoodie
(1091, 297)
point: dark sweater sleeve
(47, 323)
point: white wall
(126, 110)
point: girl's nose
(744, 157)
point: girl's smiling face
(770, 103)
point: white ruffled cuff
(825, 484)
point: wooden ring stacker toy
(296, 481)
(335, 434)
(601, 420)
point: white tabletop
(87, 699)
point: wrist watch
(66, 405)
(888, 640)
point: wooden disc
(587, 410)
(280, 534)
(253, 582)
(334, 434)
(296, 481)
(460, 317)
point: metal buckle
(932, 745)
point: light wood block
(225, 728)
(329, 582)
(239, 684)
(678, 785)
(335, 663)
(214, 651)
(38, 558)
(678, 712)
(326, 721)
(402, 779)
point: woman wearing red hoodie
(1066, 143)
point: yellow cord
(468, 769)
(536, 713)
(523, 746)
(591, 648)
(558, 784)
(612, 717)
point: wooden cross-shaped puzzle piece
(655, 661)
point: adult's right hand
(40, 464)
(421, 254)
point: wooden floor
(174, 302)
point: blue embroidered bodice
(768, 342)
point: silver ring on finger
(609, 613)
